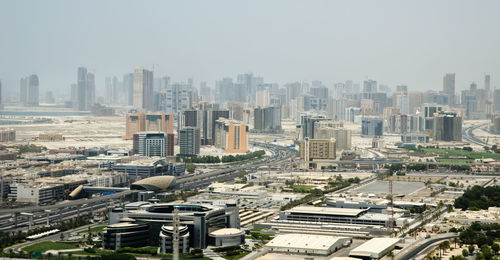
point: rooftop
(303, 241)
(327, 211)
(374, 246)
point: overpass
(413, 249)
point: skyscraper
(150, 144)
(487, 82)
(1, 103)
(29, 94)
(143, 89)
(189, 141)
(90, 91)
(449, 87)
(81, 103)
(128, 88)
(447, 126)
(231, 136)
(267, 119)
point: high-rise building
(1, 103)
(142, 122)
(128, 88)
(150, 144)
(307, 123)
(369, 86)
(447, 126)
(29, 91)
(496, 100)
(82, 95)
(449, 87)
(403, 103)
(231, 136)
(90, 90)
(263, 98)
(267, 119)
(342, 136)
(372, 126)
(317, 149)
(176, 97)
(189, 141)
(143, 89)
(428, 112)
(487, 82)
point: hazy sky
(394, 42)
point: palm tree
(391, 255)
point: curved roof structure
(156, 183)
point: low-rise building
(306, 244)
(374, 248)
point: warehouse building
(375, 248)
(306, 244)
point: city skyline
(427, 41)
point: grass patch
(470, 155)
(234, 257)
(454, 160)
(302, 188)
(49, 245)
(93, 230)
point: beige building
(231, 136)
(50, 137)
(323, 149)
(142, 122)
(7, 135)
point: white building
(306, 244)
(375, 248)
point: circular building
(156, 184)
(226, 237)
(166, 237)
(125, 234)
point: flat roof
(303, 241)
(227, 231)
(327, 211)
(374, 246)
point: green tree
(495, 248)
(190, 167)
(465, 252)
(471, 249)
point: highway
(413, 249)
(468, 135)
(70, 209)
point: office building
(317, 149)
(189, 141)
(204, 119)
(1, 103)
(447, 126)
(201, 220)
(151, 144)
(336, 108)
(487, 83)
(428, 112)
(148, 122)
(262, 99)
(29, 91)
(126, 234)
(402, 124)
(307, 125)
(267, 119)
(143, 89)
(128, 88)
(308, 244)
(351, 113)
(403, 103)
(496, 100)
(495, 127)
(84, 97)
(414, 138)
(370, 86)
(449, 87)
(177, 97)
(372, 126)
(342, 136)
(7, 135)
(231, 136)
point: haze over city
(394, 42)
(251, 130)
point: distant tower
(487, 82)
(449, 87)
